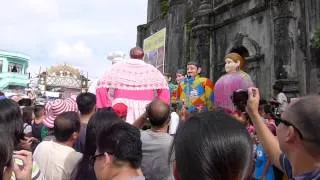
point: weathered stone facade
(276, 34)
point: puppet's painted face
(168, 79)
(179, 78)
(231, 66)
(193, 70)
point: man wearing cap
(296, 149)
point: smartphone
(239, 98)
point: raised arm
(269, 141)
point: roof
(16, 55)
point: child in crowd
(172, 87)
(263, 167)
(174, 118)
(27, 114)
(37, 125)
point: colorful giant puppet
(133, 83)
(196, 92)
(234, 79)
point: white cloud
(77, 53)
(41, 7)
(79, 32)
(78, 28)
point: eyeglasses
(93, 158)
(287, 123)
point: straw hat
(57, 107)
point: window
(15, 68)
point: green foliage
(317, 38)
(164, 6)
(143, 27)
(188, 27)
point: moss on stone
(164, 6)
(143, 27)
(188, 27)
(317, 37)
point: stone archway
(251, 50)
(242, 40)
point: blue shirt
(261, 162)
(286, 166)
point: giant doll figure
(234, 79)
(114, 57)
(196, 92)
(133, 83)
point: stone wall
(231, 31)
(154, 10)
(277, 35)
(176, 35)
(312, 22)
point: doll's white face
(179, 78)
(168, 79)
(231, 66)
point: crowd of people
(158, 129)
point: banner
(154, 49)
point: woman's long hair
(6, 151)
(212, 146)
(103, 117)
(11, 119)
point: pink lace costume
(133, 83)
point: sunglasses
(287, 123)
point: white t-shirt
(56, 161)
(174, 123)
(283, 101)
(27, 128)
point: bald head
(136, 53)
(158, 113)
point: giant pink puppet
(133, 83)
(233, 80)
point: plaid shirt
(196, 93)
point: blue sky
(77, 32)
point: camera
(239, 99)
(275, 112)
(177, 106)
